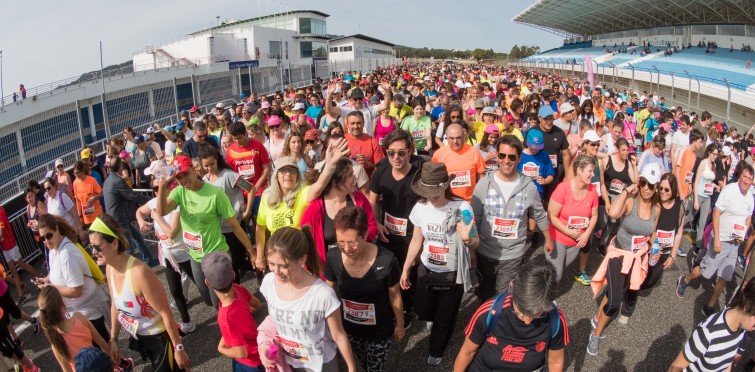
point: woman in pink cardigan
(340, 191)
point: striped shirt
(712, 345)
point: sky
(61, 40)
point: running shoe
(433, 361)
(593, 344)
(623, 319)
(407, 320)
(594, 322)
(429, 326)
(681, 287)
(35, 325)
(582, 278)
(708, 311)
(188, 327)
(680, 252)
(34, 368)
(126, 365)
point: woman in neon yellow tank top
(139, 304)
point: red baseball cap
(193, 109)
(182, 164)
(312, 134)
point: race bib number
(688, 177)
(128, 323)
(437, 255)
(638, 242)
(708, 188)
(88, 209)
(246, 170)
(293, 349)
(665, 238)
(554, 160)
(359, 313)
(617, 187)
(598, 188)
(505, 228)
(395, 225)
(418, 135)
(531, 170)
(738, 231)
(462, 179)
(194, 241)
(578, 223)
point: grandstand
(643, 44)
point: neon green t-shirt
(396, 113)
(282, 216)
(201, 213)
(417, 129)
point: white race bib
(708, 188)
(638, 242)
(293, 349)
(418, 135)
(688, 177)
(462, 179)
(437, 255)
(505, 228)
(88, 209)
(578, 223)
(665, 238)
(598, 188)
(128, 323)
(616, 186)
(554, 160)
(246, 170)
(395, 225)
(738, 231)
(359, 313)
(194, 241)
(531, 170)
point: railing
(30, 248)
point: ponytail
(293, 244)
(51, 316)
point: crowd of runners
(371, 203)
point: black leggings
(407, 296)
(158, 349)
(440, 307)
(239, 259)
(9, 307)
(8, 347)
(176, 287)
(99, 325)
(619, 295)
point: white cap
(220, 105)
(652, 173)
(58, 162)
(726, 151)
(151, 130)
(591, 136)
(299, 106)
(566, 107)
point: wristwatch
(179, 347)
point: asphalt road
(650, 342)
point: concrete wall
(341, 56)
(226, 47)
(360, 49)
(194, 48)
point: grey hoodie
(488, 204)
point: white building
(359, 46)
(295, 36)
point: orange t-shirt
(82, 191)
(467, 164)
(689, 158)
(367, 146)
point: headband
(101, 228)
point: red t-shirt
(574, 212)
(248, 161)
(237, 326)
(367, 146)
(9, 240)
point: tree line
(477, 54)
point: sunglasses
(392, 153)
(47, 236)
(95, 248)
(595, 144)
(455, 117)
(645, 183)
(512, 157)
(48, 188)
(289, 170)
(310, 142)
(665, 189)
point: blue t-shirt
(536, 165)
(436, 113)
(313, 112)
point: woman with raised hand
(312, 331)
(139, 305)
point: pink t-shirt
(381, 131)
(573, 212)
(237, 326)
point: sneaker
(19, 342)
(407, 320)
(187, 327)
(33, 369)
(582, 278)
(708, 311)
(126, 365)
(433, 361)
(680, 252)
(593, 344)
(681, 287)
(594, 322)
(35, 326)
(429, 326)
(623, 319)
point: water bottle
(272, 352)
(162, 172)
(466, 216)
(654, 251)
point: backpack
(497, 308)
(97, 274)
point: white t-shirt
(274, 150)
(303, 333)
(226, 181)
(434, 247)
(170, 149)
(735, 209)
(681, 140)
(507, 188)
(369, 111)
(177, 247)
(60, 206)
(69, 268)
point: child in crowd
(238, 328)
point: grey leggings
(704, 210)
(561, 257)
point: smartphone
(244, 184)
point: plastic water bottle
(654, 251)
(272, 352)
(162, 172)
(466, 216)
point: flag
(128, 304)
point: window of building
(312, 26)
(311, 49)
(275, 49)
(345, 48)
